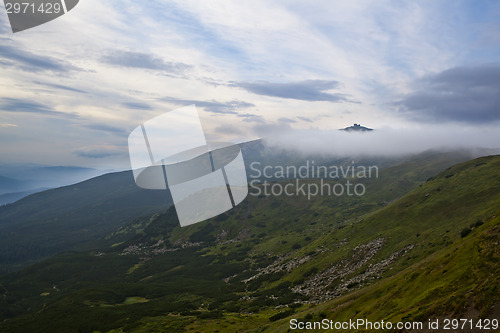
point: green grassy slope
(69, 217)
(462, 279)
(449, 228)
(275, 257)
(74, 217)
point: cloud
(304, 119)
(59, 86)
(4, 27)
(144, 61)
(96, 152)
(7, 125)
(212, 106)
(27, 106)
(193, 49)
(29, 61)
(108, 129)
(251, 118)
(285, 120)
(227, 129)
(380, 142)
(272, 130)
(460, 94)
(308, 90)
(137, 106)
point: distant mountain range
(20, 180)
(8, 198)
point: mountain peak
(357, 128)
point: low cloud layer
(308, 90)
(97, 152)
(383, 142)
(461, 94)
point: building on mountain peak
(357, 128)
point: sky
(424, 74)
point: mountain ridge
(79, 216)
(263, 263)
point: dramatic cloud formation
(254, 69)
(462, 94)
(309, 90)
(144, 61)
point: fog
(387, 141)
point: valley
(275, 258)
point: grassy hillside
(460, 281)
(80, 215)
(70, 217)
(457, 209)
(279, 257)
